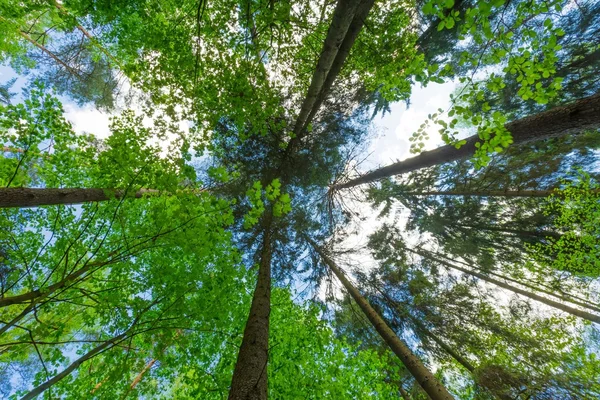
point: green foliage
(576, 209)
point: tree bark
(34, 197)
(342, 18)
(249, 380)
(583, 114)
(73, 366)
(559, 306)
(358, 21)
(422, 375)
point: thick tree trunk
(559, 306)
(33, 197)
(490, 193)
(73, 366)
(573, 118)
(355, 27)
(422, 375)
(249, 380)
(342, 18)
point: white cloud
(87, 119)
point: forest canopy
(232, 233)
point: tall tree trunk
(73, 366)
(490, 193)
(570, 119)
(34, 197)
(422, 375)
(563, 296)
(355, 27)
(421, 327)
(342, 18)
(249, 380)
(559, 306)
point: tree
(571, 119)
(252, 109)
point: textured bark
(490, 193)
(422, 375)
(573, 118)
(249, 380)
(33, 197)
(342, 18)
(549, 302)
(72, 367)
(358, 21)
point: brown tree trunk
(563, 307)
(570, 119)
(358, 21)
(460, 359)
(249, 380)
(422, 375)
(342, 18)
(34, 197)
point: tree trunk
(570, 119)
(249, 380)
(34, 197)
(342, 18)
(422, 375)
(570, 310)
(460, 359)
(355, 27)
(563, 296)
(73, 366)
